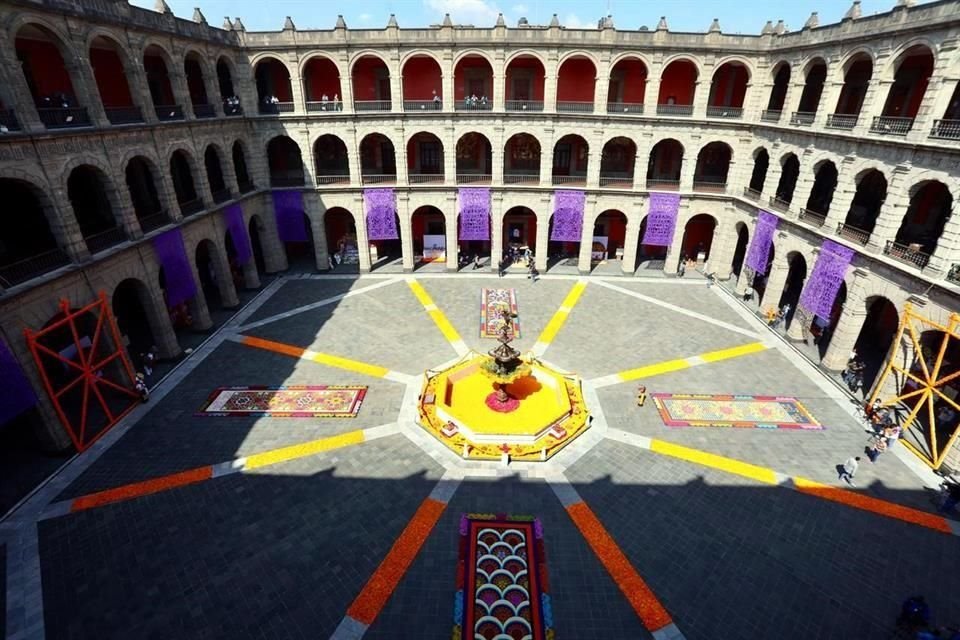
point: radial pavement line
(559, 318)
(446, 328)
(668, 366)
(373, 370)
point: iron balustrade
(221, 195)
(105, 239)
(569, 180)
(123, 115)
(519, 177)
(378, 178)
(275, 108)
(232, 109)
(333, 178)
(891, 125)
(204, 111)
(166, 112)
(852, 233)
(725, 112)
(62, 118)
(910, 254)
(315, 106)
(632, 108)
(949, 129)
(710, 186)
(655, 184)
(8, 120)
(753, 194)
(423, 105)
(814, 218)
(474, 178)
(616, 182)
(463, 105)
(287, 181)
(842, 121)
(32, 267)
(803, 118)
(779, 203)
(524, 105)
(153, 221)
(426, 178)
(372, 105)
(675, 109)
(190, 207)
(574, 107)
(771, 115)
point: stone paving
(282, 551)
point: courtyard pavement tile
(295, 293)
(693, 297)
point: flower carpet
(502, 586)
(295, 401)
(492, 301)
(755, 412)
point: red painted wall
(698, 230)
(280, 81)
(365, 77)
(110, 77)
(616, 234)
(576, 81)
(634, 80)
(321, 77)
(536, 72)
(421, 77)
(474, 66)
(678, 80)
(729, 86)
(45, 67)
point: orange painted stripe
(138, 489)
(640, 596)
(874, 505)
(270, 345)
(385, 579)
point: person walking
(849, 469)
(682, 268)
(476, 262)
(533, 273)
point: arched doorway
(778, 93)
(728, 90)
(678, 84)
(865, 208)
(525, 78)
(425, 159)
(144, 195)
(429, 237)
(378, 162)
(240, 167)
(650, 257)
(370, 77)
(788, 180)
(205, 256)
(609, 237)
(923, 223)
(824, 184)
(914, 68)
(698, 238)
(740, 252)
(519, 230)
(627, 88)
(521, 161)
(663, 168)
(90, 196)
(876, 338)
(131, 301)
(713, 165)
(816, 75)
(274, 92)
(422, 85)
(29, 248)
(41, 56)
(474, 159)
(386, 252)
(256, 231)
(193, 69)
(761, 162)
(321, 85)
(109, 65)
(286, 163)
(576, 82)
(231, 102)
(793, 287)
(856, 80)
(341, 232)
(218, 186)
(617, 162)
(330, 155)
(181, 171)
(570, 157)
(473, 78)
(165, 102)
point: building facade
(121, 123)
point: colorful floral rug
(492, 302)
(502, 587)
(296, 401)
(754, 412)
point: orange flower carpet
(294, 401)
(752, 412)
(502, 586)
(492, 302)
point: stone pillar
(935, 99)
(791, 102)
(496, 230)
(777, 278)
(168, 194)
(600, 89)
(125, 214)
(772, 180)
(873, 101)
(316, 210)
(64, 226)
(593, 166)
(302, 138)
(631, 242)
(18, 91)
(546, 158)
(224, 277)
(639, 173)
(946, 253)
(590, 214)
(346, 93)
(274, 251)
(701, 94)
(672, 261)
(842, 195)
(85, 86)
(400, 153)
(449, 141)
(832, 87)
(363, 244)
(396, 83)
(451, 231)
(550, 90)
(893, 208)
(651, 94)
(805, 182)
(181, 92)
(543, 236)
(688, 167)
(212, 89)
(496, 160)
(447, 82)
(723, 248)
(848, 327)
(158, 318)
(251, 279)
(499, 90)
(751, 103)
(406, 231)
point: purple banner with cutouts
(661, 219)
(238, 233)
(380, 206)
(289, 211)
(474, 213)
(17, 395)
(824, 283)
(177, 274)
(759, 251)
(568, 215)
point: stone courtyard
(179, 525)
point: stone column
(832, 87)
(777, 278)
(772, 180)
(363, 244)
(946, 253)
(543, 236)
(546, 157)
(64, 226)
(652, 92)
(213, 90)
(593, 166)
(346, 93)
(85, 87)
(751, 103)
(274, 251)
(873, 101)
(198, 305)
(447, 82)
(805, 182)
(316, 210)
(672, 261)
(224, 277)
(640, 173)
(400, 154)
(406, 231)
(181, 92)
(302, 138)
(168, 194)
(631, 241)
(724, 246)
(701, 95)
(251, 279)
(550, 89)
(935, 99)
(842, 195)
(600, 89)
(848, 327)
(14, 82)
(893, 208)
(496, 230)
(590, 214)
(791, 101)
(126, 215)
(688, 167)
(161, 329)
(396, 83)
(496, 160)
(449, 142)
(451, 231)
(499, 90)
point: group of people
(884, 434)
(853, 373)
(148, 359)
(473, 101)
(517, 255)
(231, 105)
(327, 105)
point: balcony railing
(616, 182)
(153, 221)
(890, 125)
(64, 118)
(524, 105)
(426, 178)
(813, 218)
(8, 120)
(725, 112)
(105, 239)
(852, 233)
(372, 105)
(520, 177)
(123, 115)
(842, 121)
(911, 254)
(246, 187)
(771, 115)
(333, 178)
(463, 105)
(803, 118)
(709, 185)
(232, 109)
(204, 111)
(633, 108)
(474, 178)
(753, 194)
(29, 268)
(569, 180)
(423, 105)
(287, 181)
(949, 129)
(275, 108)
(190, 207)
(954, 274)
(166, 112)
(779, 203)
(574, 107)
(319, 106)
(674, 109)
(378, 178)
(221, 195)
(657, 184)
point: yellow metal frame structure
(929, 386)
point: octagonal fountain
(503, 406)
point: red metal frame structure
(88, 370)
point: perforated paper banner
(474, 213)
(661, 219)
(381, 209)
(821, 288)
(289, 211)
(759, 251)
(238, 233)
(177, 274)
(568, 215)
(17, 395)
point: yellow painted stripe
(653, 370)
(304, 449)
(736, 467)
(438, 316)
(560, 317)
(734, 352)
(323, 358)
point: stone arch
(360, 55)
(628, 55)
(313, 54)
(480, 53)
(741, 60)
(740, 249)
(141, 319)
(285, 162)
(28, 236)
(900, 54)
(522, 53)
(219, 186)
